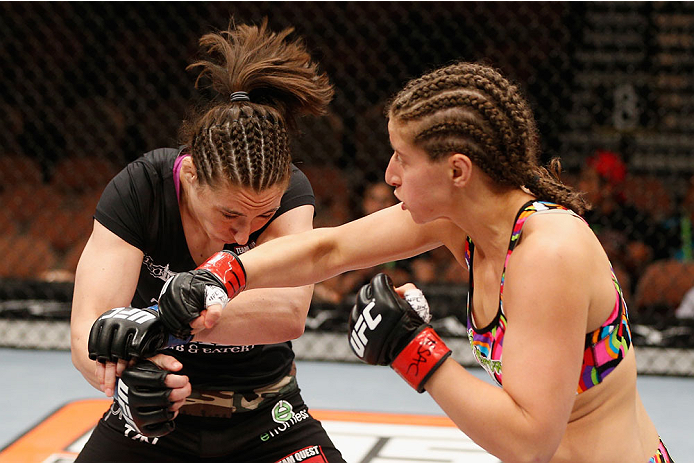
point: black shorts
(283, 432)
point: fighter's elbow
(295, 331)
(297, 322)
(75, 359)
(77, 353)
(534, 450)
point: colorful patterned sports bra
(604, 347)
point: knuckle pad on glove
(181, 302)
(147, 399)
(145, 373)
(381, 322)
(386, 330)
(125, 333)
(101, 345)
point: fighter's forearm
(263, 316)
(291, 261)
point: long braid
(233, 170)
(269, 145)
(254, 140)
(211, 147)
(472, 109)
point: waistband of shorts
(223, 404)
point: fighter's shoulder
(557, 240)
(557, 226)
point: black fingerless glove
(187, 294)
(385, 330)
(125, 333)
(143, 398)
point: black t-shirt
(140, 205)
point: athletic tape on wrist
(415, 297)
(215, 295)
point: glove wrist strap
(420, 358)
(226, 266)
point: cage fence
(88, 87)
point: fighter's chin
(224, 240)
(415, 218)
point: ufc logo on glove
(122, 398)
(129, 313)
(399, 332)
(358, 340)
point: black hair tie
(240, 96)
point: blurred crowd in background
(643, 222)
(88, 87)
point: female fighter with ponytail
(231, 394)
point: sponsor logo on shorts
(311, 454)
(284, 415)
(282, 412)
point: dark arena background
(88, 87)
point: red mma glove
(384, 329)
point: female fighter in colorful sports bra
(465, 168)
(605, 347)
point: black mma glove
(184, 296)
(385, 330)
(124, 333)
(143, 398)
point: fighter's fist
(143, 397)
(124, 333)
(187, 294)
(385, 330)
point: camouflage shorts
(222, 404)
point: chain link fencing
(88, 87)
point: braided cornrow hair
(244, 140)
(472, 109)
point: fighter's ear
(460, 168)
(188, 171)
